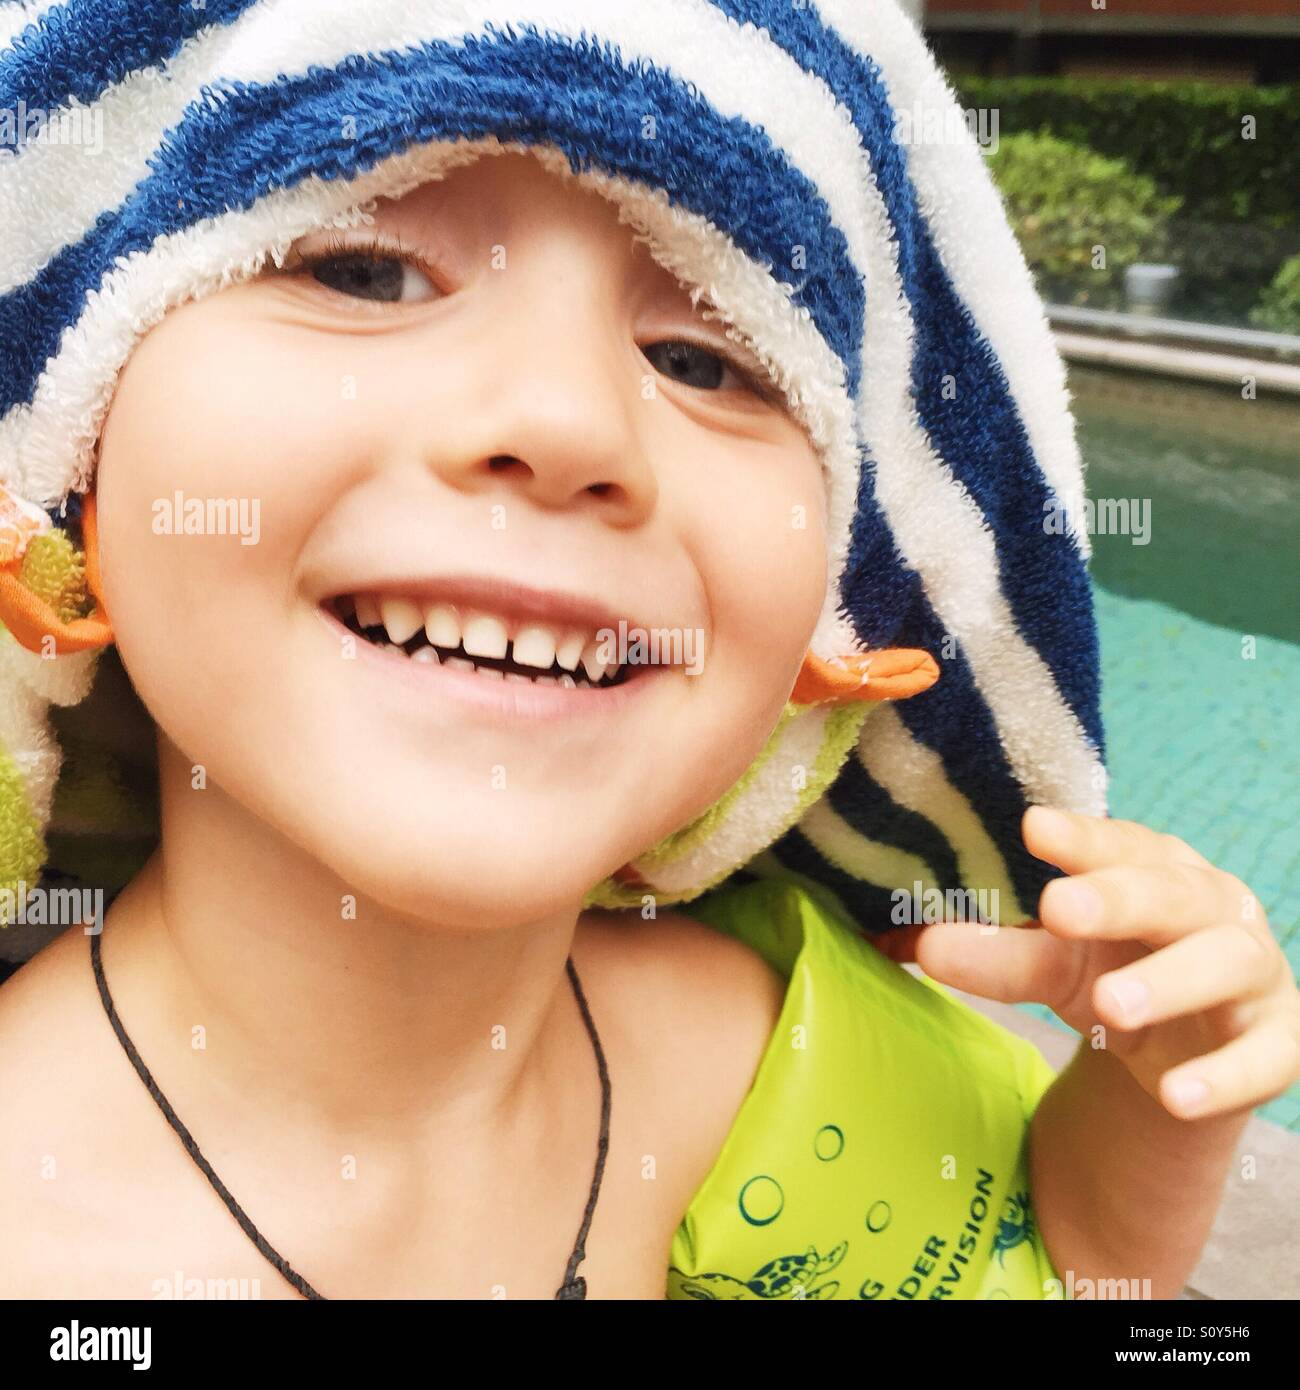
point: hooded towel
(804, 165)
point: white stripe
(854, 854)
(30, 684)
(938, 526)
(971, 233)
(288, 36)
(83, 181)
(64, 681)
(47, 457)
(14, 19)
(914, 776)
(25, 736)
(737, 70)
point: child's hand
(1173, 957)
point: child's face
(400, 432)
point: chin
(466, 864)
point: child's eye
(378, 268)
(696, 366)
(370, 275)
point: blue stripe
(867, 904)
(231, 150)
(67, 513)
(977, 430)
(83, 47)
(878, 588)
(890, 608)
(952, 719)
(239, 145)
(234, 147)
(860, 800)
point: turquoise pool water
(1200, 629)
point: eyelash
(378, 245)
(383, 245)
(737, 363)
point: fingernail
(1130, 996)
(1076, 900)
(1188, 1092)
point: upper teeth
(534, 646)
(531, 643)
(569, 652)
(483, 635)
(442, 626)
(593, 664)
(401, 617)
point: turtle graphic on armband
(787, 1276)
(1015, 1226)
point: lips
(497, 642)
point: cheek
(765, 571)
(213, 466)
(760, 550)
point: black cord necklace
(574, 1285)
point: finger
(1011, 964)
(898, 943)
(1154, 905)
(1250, 1069)
(1077, 843)
(1207, 968)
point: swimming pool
(1200, 626)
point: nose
(548, 405)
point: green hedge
(1279, 305)
(1187, 136)
(1065, 202)
(1239, 221)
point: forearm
(1122, 1188)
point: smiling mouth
(493, 646)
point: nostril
(599, 489)
(500, 461)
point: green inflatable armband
(881, 1152)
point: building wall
(1214, 40)
(1241, 15)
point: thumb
(1013, 965)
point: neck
(368, 1020)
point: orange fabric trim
(32, 620)
(893, 673)
(90, 541)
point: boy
(376, 431)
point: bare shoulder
(45, 1018)
(697, 1005)
(57, 1118)
(691, 974)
